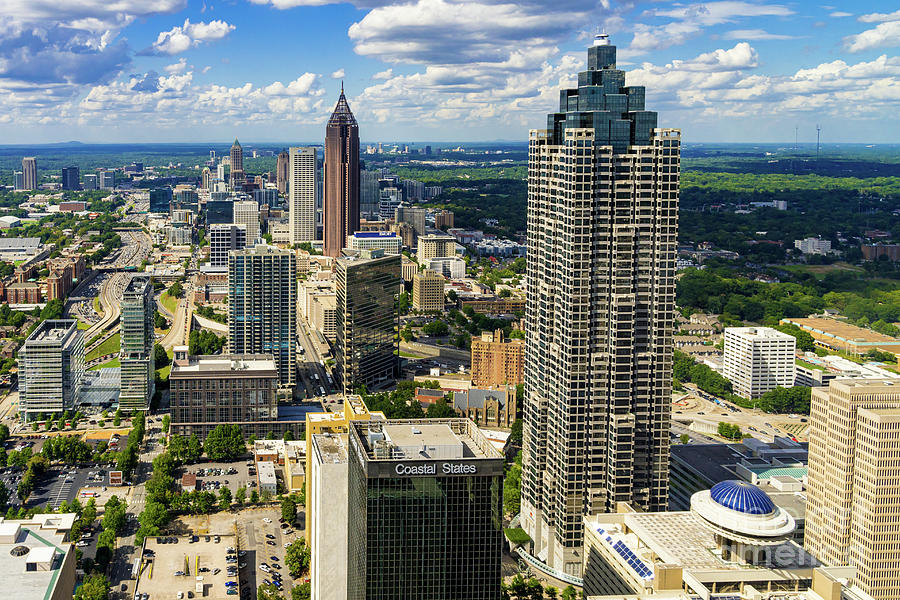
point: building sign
(435, 469)
(115, 478)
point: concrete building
(19, 181)
(366, 283)
(90, 181)
(496, 361)
(853, 508)
(282, 172)
(841, 335)
(246, 213)
(265, 476)
(435, 246)
(813, 246)
(341, 203)
(29, 170)
(227, 389)
(428, 291)
(450, 267)
(223, 238)
(600, 310)
(107, 179)
(328, 527)
(137, 340)
(443, 220)
(302, 194)
(51, 367)
(415, 217)
(37, 558)
(375, 240)
(262, 307)
(323, 314)
(758, 359)
(408, 268)
(424, 511)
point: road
(110, 300)
(308, 363)
(176, 335)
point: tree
(440, 410)
(254, 497)
(225, 442)
(296, 557)
(267, 591)
(166, 421)
(515, 432)
(4, 433)
(569, 593)
(301, 592)
(288, 509)
(684, 438)
(94, 587)
(117, 419)
(4, 495)
(224, 498)
(240, 495)
(512, 486)
(160, 358)
(729, 431)
(436, 328)
(176, 290)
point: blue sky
(438, 70)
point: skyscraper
(302, 195)
(29, 168)
(341, 177)
(205, 178)
(237, 164)
(51, 367)
(262, 306)
(18, 181)
(852, 501)
(107, 179)
(282, 172)
(246, 213)
(70, 178)
(137, 341)
(603, 188)
(223, 238)
(367, 283)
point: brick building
(495, 361)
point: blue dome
(742, 497)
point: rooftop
(258, 363)
(31, 554)
(330, 448)
(758, 333)
(843, 331)
(423, 439)
(52, 332)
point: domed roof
(742, 497)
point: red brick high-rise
(341, 177)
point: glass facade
(136, 344)
(219, 211)
(160, 200)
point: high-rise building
(246, 213)
(51, 368)
(237, 165)
(369, 193)
(137, 341)
(367, 284)
(435, 246)
(29, 168)
(341, 177)
(496, 361)
(282, 172)
(18, 181)
(443, 220)
(853, 507)
(428, 291)
(205, 178)
(267, 196)
(414, 216)
(262, 306)
(160, 200)
(219, 212)
(70, 178)
(302, 194)
(90, 181)
(374, 240)
(758, 359)
(425, 511)
(223, 238)
(107, 180)
(600, 310)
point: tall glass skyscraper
(137, 340)
(341, 177)
(603, 185)
(262, 306)
(237, 164)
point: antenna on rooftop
(818, 137)
(601, 39)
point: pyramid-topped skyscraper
(341, 177)
(237, 164)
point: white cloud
(386, 74)
(840, 14)
(880, 17)
(339, 74)
(754, 34)
(178, 39)
(176, 68)
(885, 35)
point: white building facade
(758, 359)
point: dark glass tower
(341, 177)
(237, 164)
(603, 185)
(137, 340)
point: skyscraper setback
(302, 194)
(603, 186)
(237, 164)
(341, 177)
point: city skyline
(197, 68)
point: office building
(223, 238)
(227, 389)
(267, 197)
(451, 267)
(390, 198)
(137, 340)
(302, 194)
(323, 315)
(37, 556)
(29, 170)
(758, 359)
(282, 172)
(70, 178)
(443, 220)
(600, 310)
(853, 507)
(237, 165)
(107, 180)
(206, 178)
(341, 177)
(375, 240)
(18, 181)
(813, 245)
(425, 511)
(328, 527)
(51, 367)
(842, 336)
(219, 212)
(365, 351)
(246, 213)
(428, 292)
(435, 246)
(415, 217)
(496, 361)
(160, 200)
(369, 193)
(90, 182)
(262, 306)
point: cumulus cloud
(181, 38)
(755, 34)
(339, 74)
(884, 35)
(386, 74)
(176, 68)
(880, 17)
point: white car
(267, 520)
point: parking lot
(214, 476)
(11, 476)
(62, 484)
(173, 564)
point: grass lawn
(112, 363)
(169, 302)
(97, 308)
(110, 345)
(819, 271)
(83, 326)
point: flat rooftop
(424, 439)
(52, 331)
(160, 581)
(843, 331)
(763, 333)
(330, 448)
(226, 362)
(36, 541)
